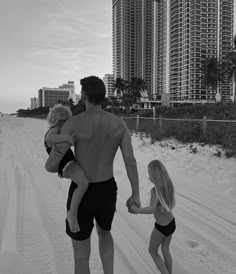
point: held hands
(133, 203)
(133, 209)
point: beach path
(33, 210)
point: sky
(45, 43)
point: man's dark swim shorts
(99, 203)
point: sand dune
(32, 208)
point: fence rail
(176, 119)
(213, 131)
(204, 120)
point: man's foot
(73, 223)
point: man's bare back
(98, 137)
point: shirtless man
(99, 134)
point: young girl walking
(68, 168)
(162, 201)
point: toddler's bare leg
(74, 172)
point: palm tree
(114, 102)
(211, 74)
(128, 99)
(230, 69)
(137, 87)
(120, 87)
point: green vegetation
(211, 76)
(42, 112)
(216, 133)
(128, 91)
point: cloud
(81, 19)
(66, 61)
(103, 34)
(59, 52)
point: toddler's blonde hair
(57, 114)
(163, 184)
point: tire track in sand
(51, 251)
(31, 242)
(4, 200)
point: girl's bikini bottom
(166, 230)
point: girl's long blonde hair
(163, 184)
(57, 114)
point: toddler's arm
(54, 138)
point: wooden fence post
(160, 124)
(154, 114)
(137, 123)
(204, 127)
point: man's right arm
(130, 165)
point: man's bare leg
(106, 250)
(82, 250)
(74, 172)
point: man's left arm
(59, 150)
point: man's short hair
(94, 89)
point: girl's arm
(149, 209)
(143, 210)
(54, 138)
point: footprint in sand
(196, 247)
(192, 244)
(231, 191)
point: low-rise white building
(108, 80)
(51, 96)
(77, 99)
(33, 103)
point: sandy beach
(33, 208)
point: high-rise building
(225, 40)
(51, 96)
(108, 80)
(132, 39)
(199, 30)
(160, 48)
(167, 42)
